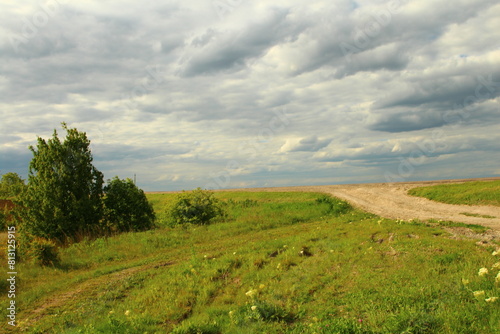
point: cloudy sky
(240, 93)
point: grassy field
(469, 193)
(280, 263)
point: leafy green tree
(198, 207)
(126, 207)
(63, 197)
(11, 186)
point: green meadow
(277, 263)
(469, 193)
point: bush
(43, 252)
(336, 207)
(126, 207)
(193, 328)
(198, 207)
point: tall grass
(280, 263)
(469, 193)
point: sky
(239, 93)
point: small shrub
(336, 206)
(198, 207)
(43, 252)
(272, 312)
(192, 328)
(261, 311)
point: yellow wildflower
(483, 271)
(127, 313)
(251, 293)
(254, 308)
(491, 299)
(465, 281)
(496, 266)
(479, 294)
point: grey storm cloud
(446, 89)
(407, 121)
(441, 144)
(231, 52)
(178, 91)
(439, 101)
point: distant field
(279, 263)
(469, 193)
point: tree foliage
(126, 207)
(11, 186)
(198, 207)
(63, 196)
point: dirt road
(391, 200)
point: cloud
(480, 81)
(232, 51)
(308, 144)
(175, 92)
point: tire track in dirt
(87, 287)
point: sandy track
(86, 288)
(390, 200)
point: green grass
(469, 193)
(280, 263)
(473, 227)
(469, 214)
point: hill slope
(281, 262)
